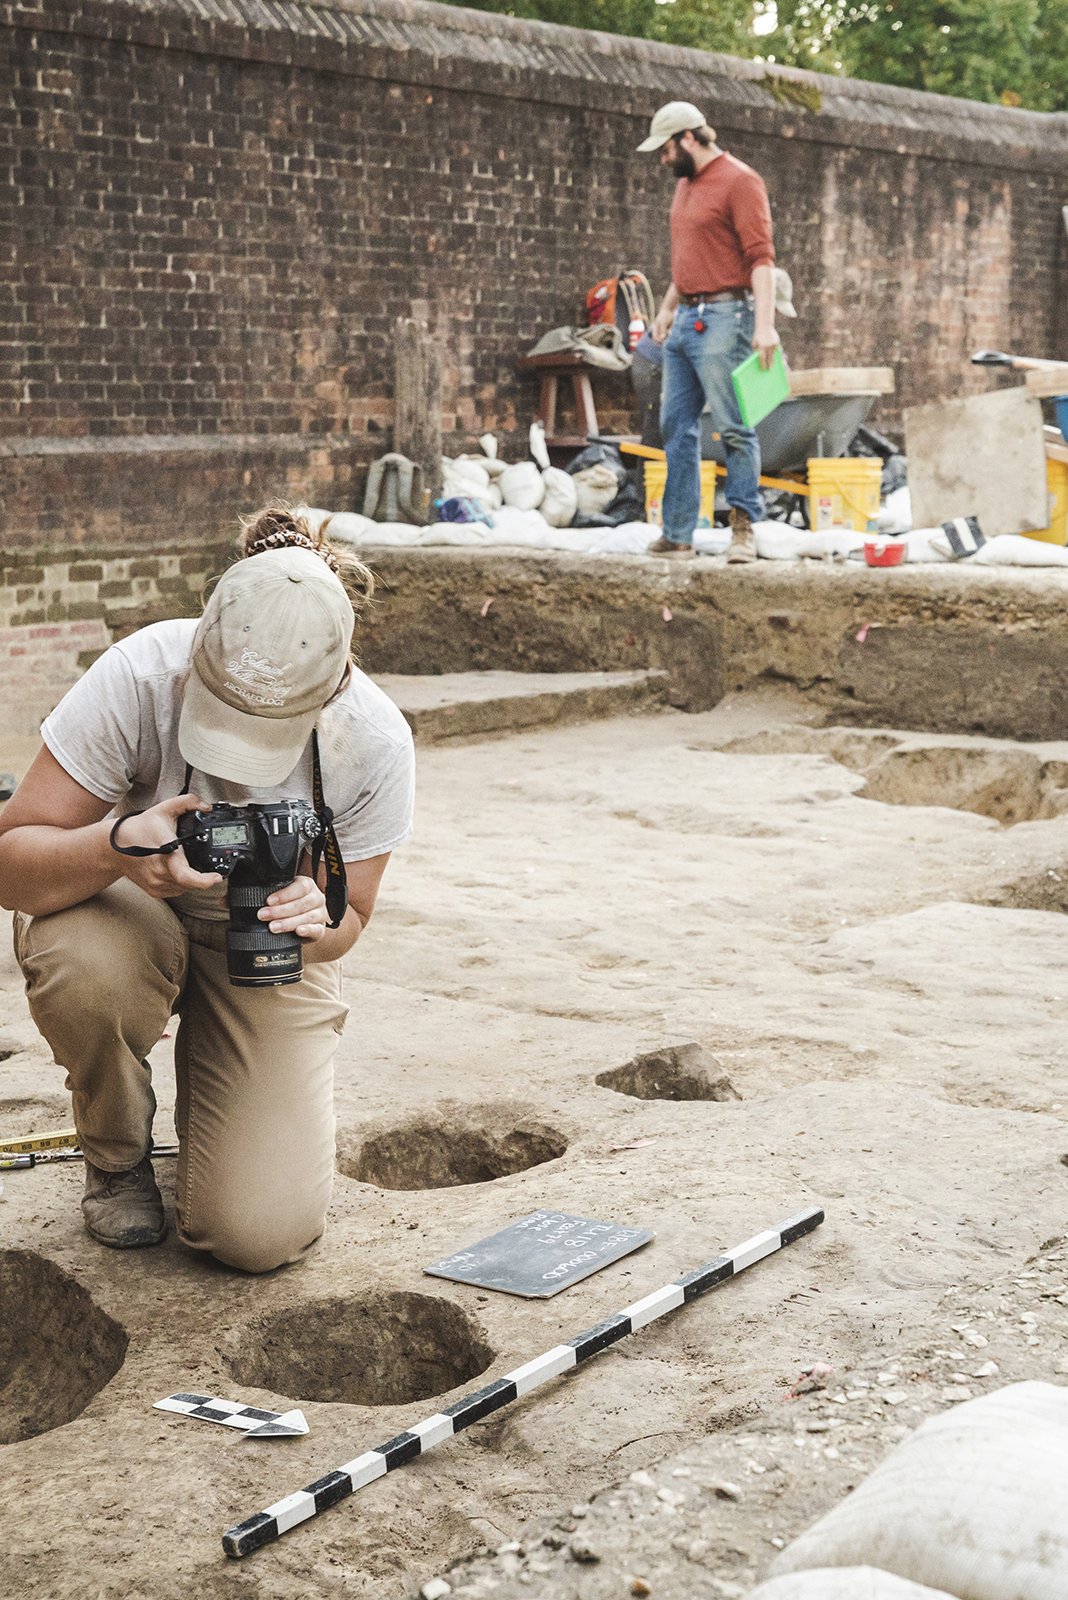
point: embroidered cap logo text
(257, 681)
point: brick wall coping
(418, 42)
(178, 444)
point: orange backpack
(625, 300)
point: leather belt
(712, 299)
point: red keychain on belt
(699, 326)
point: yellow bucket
(656, 478)
(1057, 484)
(844, 491)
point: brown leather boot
(123, 1210)
(670, 548)
(743, 545)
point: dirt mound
(680, 1072)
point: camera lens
(254, 955)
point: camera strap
(326, 846)
(139, 849)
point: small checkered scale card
(253, 1422)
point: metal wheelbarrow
(802, 426)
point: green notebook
(760, 390)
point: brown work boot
(743, 545)
(123, 1209)
(670, 548)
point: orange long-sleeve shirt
(720, 228)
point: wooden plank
(1048, 383)
(842, 380)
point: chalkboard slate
(541, 1254)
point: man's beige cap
(670, 120)
(269, 651)
(784, 293)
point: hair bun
(280, 525)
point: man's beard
(684, 165)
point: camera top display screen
(229, 833)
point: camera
(256, 848)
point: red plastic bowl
(884, 552)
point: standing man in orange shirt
(719, 308)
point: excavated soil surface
(881, 984)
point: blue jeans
(697, 369)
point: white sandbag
(463, 478)
(492, 466)
(375, 533)
(926, 544)
(776, 541)
(628, 539)
(895, 513)
(521, 486)
(561, 497)
(711, 541)
(845, 1583)
(512, 525)
(971, 1503)
(314, 516)
(822, 543)
(347, 527)
(1014, 550)
(595, 489)
(538, 448)
(457, 533)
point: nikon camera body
(256, 848)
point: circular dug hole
(57, 1348)
(1004, 783)
(383, 1349)
(444, 1151)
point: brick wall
(214, 210)
(58, 616)
(212, 213)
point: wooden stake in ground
(417, 404)
(266, 1526)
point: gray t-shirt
(116, 733)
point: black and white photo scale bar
(268, 1525)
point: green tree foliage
(702, 24)
(1048, 89)
(1015, 51)
(1009, 50)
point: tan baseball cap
(671, 119)
(784, 293)
(269, 651)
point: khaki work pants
(254, 1068)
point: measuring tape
(65, 1140)
(15, 1160)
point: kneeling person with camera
(204, 832)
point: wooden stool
(552, 368)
